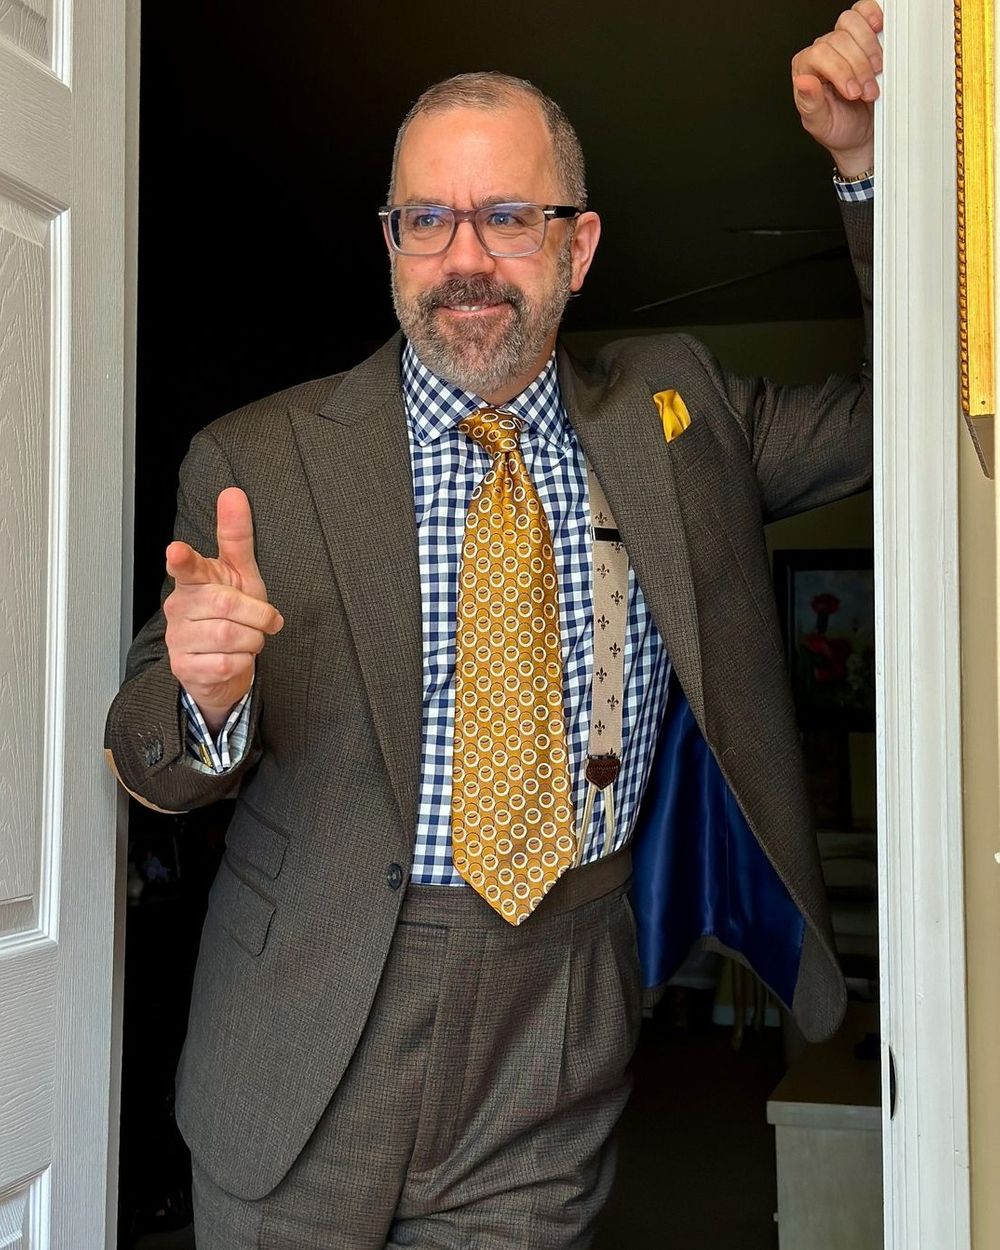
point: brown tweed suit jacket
(303, 909)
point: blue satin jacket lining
(699, 870)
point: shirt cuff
(221, 754)
(856, 192)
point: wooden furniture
(828, 1136)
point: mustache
(475, 290)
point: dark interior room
(265, 142)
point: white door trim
(918, 420)
(131, 260)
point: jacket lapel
(631, 460)
(356, 455)
(355, 451)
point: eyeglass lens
(503, 229)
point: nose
(466, 255)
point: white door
(67, 114)
(63, 438)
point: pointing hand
(218, 615)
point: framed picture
(826, 602)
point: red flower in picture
(831, 655)
(818, 644)
(825, 604)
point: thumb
(234, 532)
(810, 98)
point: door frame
(919, 747)
(132, 27)
(919, 757)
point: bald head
(494, 92)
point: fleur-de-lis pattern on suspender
(610, 616)
(513, 827)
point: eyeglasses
(502, 229)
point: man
(378, 1055)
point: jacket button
(153, 753)
(394, 876)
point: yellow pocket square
(673, 413)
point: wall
(978, 556)
(788, 351)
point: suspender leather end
(602, 770)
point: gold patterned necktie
(512, 811)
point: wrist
(214, 716)
(215, 721)
(853, 164)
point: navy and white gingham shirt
(446, 469)
(857, 191)
(447, 466)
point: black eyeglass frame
(549, 212)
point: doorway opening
(736, 241)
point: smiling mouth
(472, 308)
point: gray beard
(484, 358)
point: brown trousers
(478, 1108)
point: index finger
(187, 567)
(854, 24)
(871, 11)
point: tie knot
(496, 432)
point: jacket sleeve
(810, 444)
(144, 737)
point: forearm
(146, 747)
(818, 449)
(814, 445)
(810, 444)
(145, 733)
(859, 227)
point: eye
(424, 220)
(503, 218)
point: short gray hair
(490, 90)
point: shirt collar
(434, 407)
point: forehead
(467, 155)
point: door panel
(25, 359)
(27, 24)
(63, 431)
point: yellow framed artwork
(974, 128)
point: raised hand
(218, 615)
(835, 87)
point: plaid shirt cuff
(856, 192)
(222, 754)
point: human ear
(586, 234)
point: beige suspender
(610, 598)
